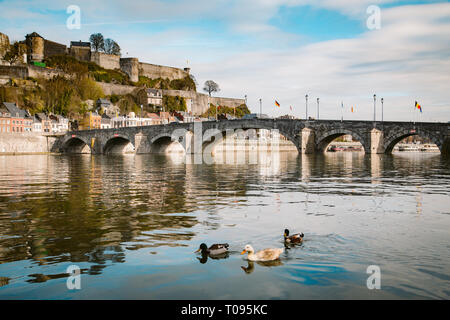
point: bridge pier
(96, 145)
(308, 144)
(376, 141)
(142, 145)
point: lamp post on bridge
(374, 108)
(382, 110)
(306, 97)
(260, 108)
(317, 108)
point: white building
(37, 125)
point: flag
(290, 107)
(418, 106)
(276, 103)
(352, 109)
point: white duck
(263, 255)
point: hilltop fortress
(35, 49)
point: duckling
(214, 250)
(263, 255)
(295, 238)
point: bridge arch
(118, 144)
(215, 134)
(164, 142)
(401, 133)
(323, 140)
(75, 144)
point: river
(131, 223)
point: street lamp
(374, 107)
(317, 108)
(306, 97)
(260, 108)
(382, 109)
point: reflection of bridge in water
(307, 136)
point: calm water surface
(132, 223)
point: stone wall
(12, 143)
(111, 88)
(154, 71)
(53, 48)
(20, 72)
(200, 100)
(81, 53)
(104, 60)
(131, 67)
(39, 72)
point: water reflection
(205, 256)
(250, 268)
(102, 211)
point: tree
(210, 87)
(13, 53)
(112, 47)
(97, 42)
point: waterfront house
(46, 122)
(37, 124)
(20, 120)
(59, 123)
(5, 119)
(154, 118)
(91, 120)
(106, 122)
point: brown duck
(295, 238)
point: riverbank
(25, 143)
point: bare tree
(97, 42)
(13, 53)
(210, 87)
(112, 47)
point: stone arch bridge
(308, 136)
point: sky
(276, 49)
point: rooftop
(80, 44)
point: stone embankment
(26, 142)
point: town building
(91, 120)
(150, 97)
(5, 119)
(46, 122)
(20, 120)
(106, 122)
(37, 124)
(102, 104)
(59, 123)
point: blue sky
(275, 49)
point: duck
(214, 250)
(295, 238)
(263, 255)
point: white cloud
(407, 60)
